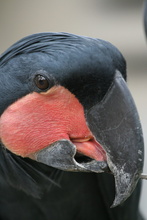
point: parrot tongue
(90, 148)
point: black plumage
(64, 56)
(31, 190)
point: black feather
(27, 175)
(66, 57)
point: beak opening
(61, 155)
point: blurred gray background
(117, 21)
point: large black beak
(115, 124)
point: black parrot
(71, 140)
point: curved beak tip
(125, 184)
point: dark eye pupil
(41, 82)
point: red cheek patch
(39, 119)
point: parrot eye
(41, 82)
